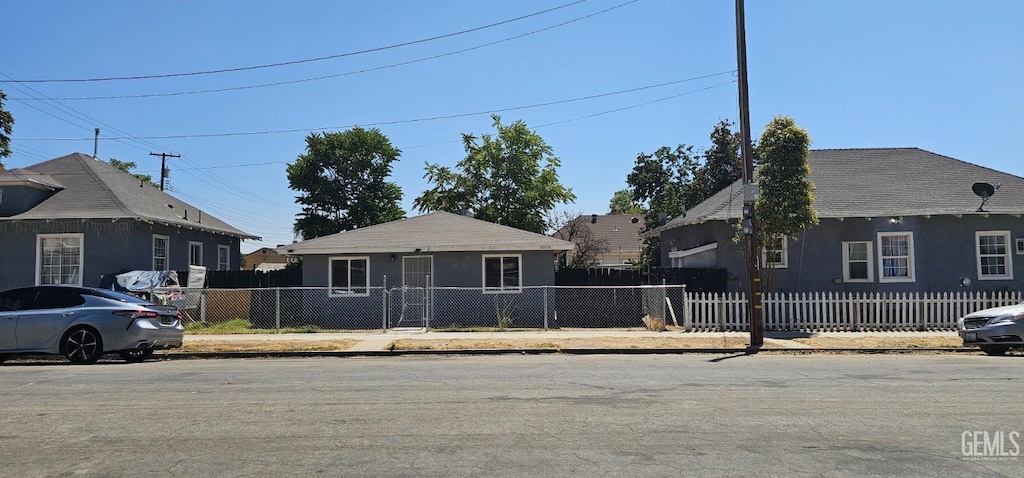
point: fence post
(546, 307)
(920, 313)
(664, 295)
(720, 311)
(384, 305)
(687, 325)
(202, 307)
(277, 309)
(428, 304)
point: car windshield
(109, 294)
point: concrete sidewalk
(374, 342)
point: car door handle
(67, 314)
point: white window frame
(783, 254)
(198, 259)
(502, 289)
(167, 252)
(226, 264)
(911, 275)
(347, 292)
(846, 262)
(1007, 255)
(81, 254)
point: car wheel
(82, 345)
(135, 355)
(995, 350)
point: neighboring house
(891, 220)
(436, 249)
(617, 236)
(266, 257)
(72, 219)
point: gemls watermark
(986, 445)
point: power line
(616, 110)
(306, 60)
(336, 75)
(406, 121)
(242, 193)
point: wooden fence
(814, 312)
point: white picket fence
(826, 311)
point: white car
(995, 330)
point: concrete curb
(601, 351)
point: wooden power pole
(749, 189)
(163, 165)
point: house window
(993, 249)
(776, 255)
(223, 258)
(503, 273)
(160, 244)
(857, 264)
(59, 259)
(349, 276)
(195, 253)
(896, 256)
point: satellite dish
(985, 191)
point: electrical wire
(337, 75)
(297, 62)
(407, 121)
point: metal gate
(409, 305)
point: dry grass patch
(875, 342)
(209, 346)
(573, 343)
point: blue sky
(939, 75)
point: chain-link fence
(311, 309)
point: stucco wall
(18, 199)
(451, 269)
(944, 252)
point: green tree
(659, 182)
(722, 165)
(342, 180)
(128, 166)
(510, 178)
(6, 128)
(622, 203)
(785, 205)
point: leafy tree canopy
(342, 181)
(622, 203)
(509, 178)
(128, 166)
(6, 128)
(786, 198)
(659, 182)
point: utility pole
(749, 189)
(163, 165)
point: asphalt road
(664, 415)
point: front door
(417, 277)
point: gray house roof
(25, 177)
(620, 231)
(880, 182)
(433, 232)
(88, 188)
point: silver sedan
(83, 324)
(994, 330)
